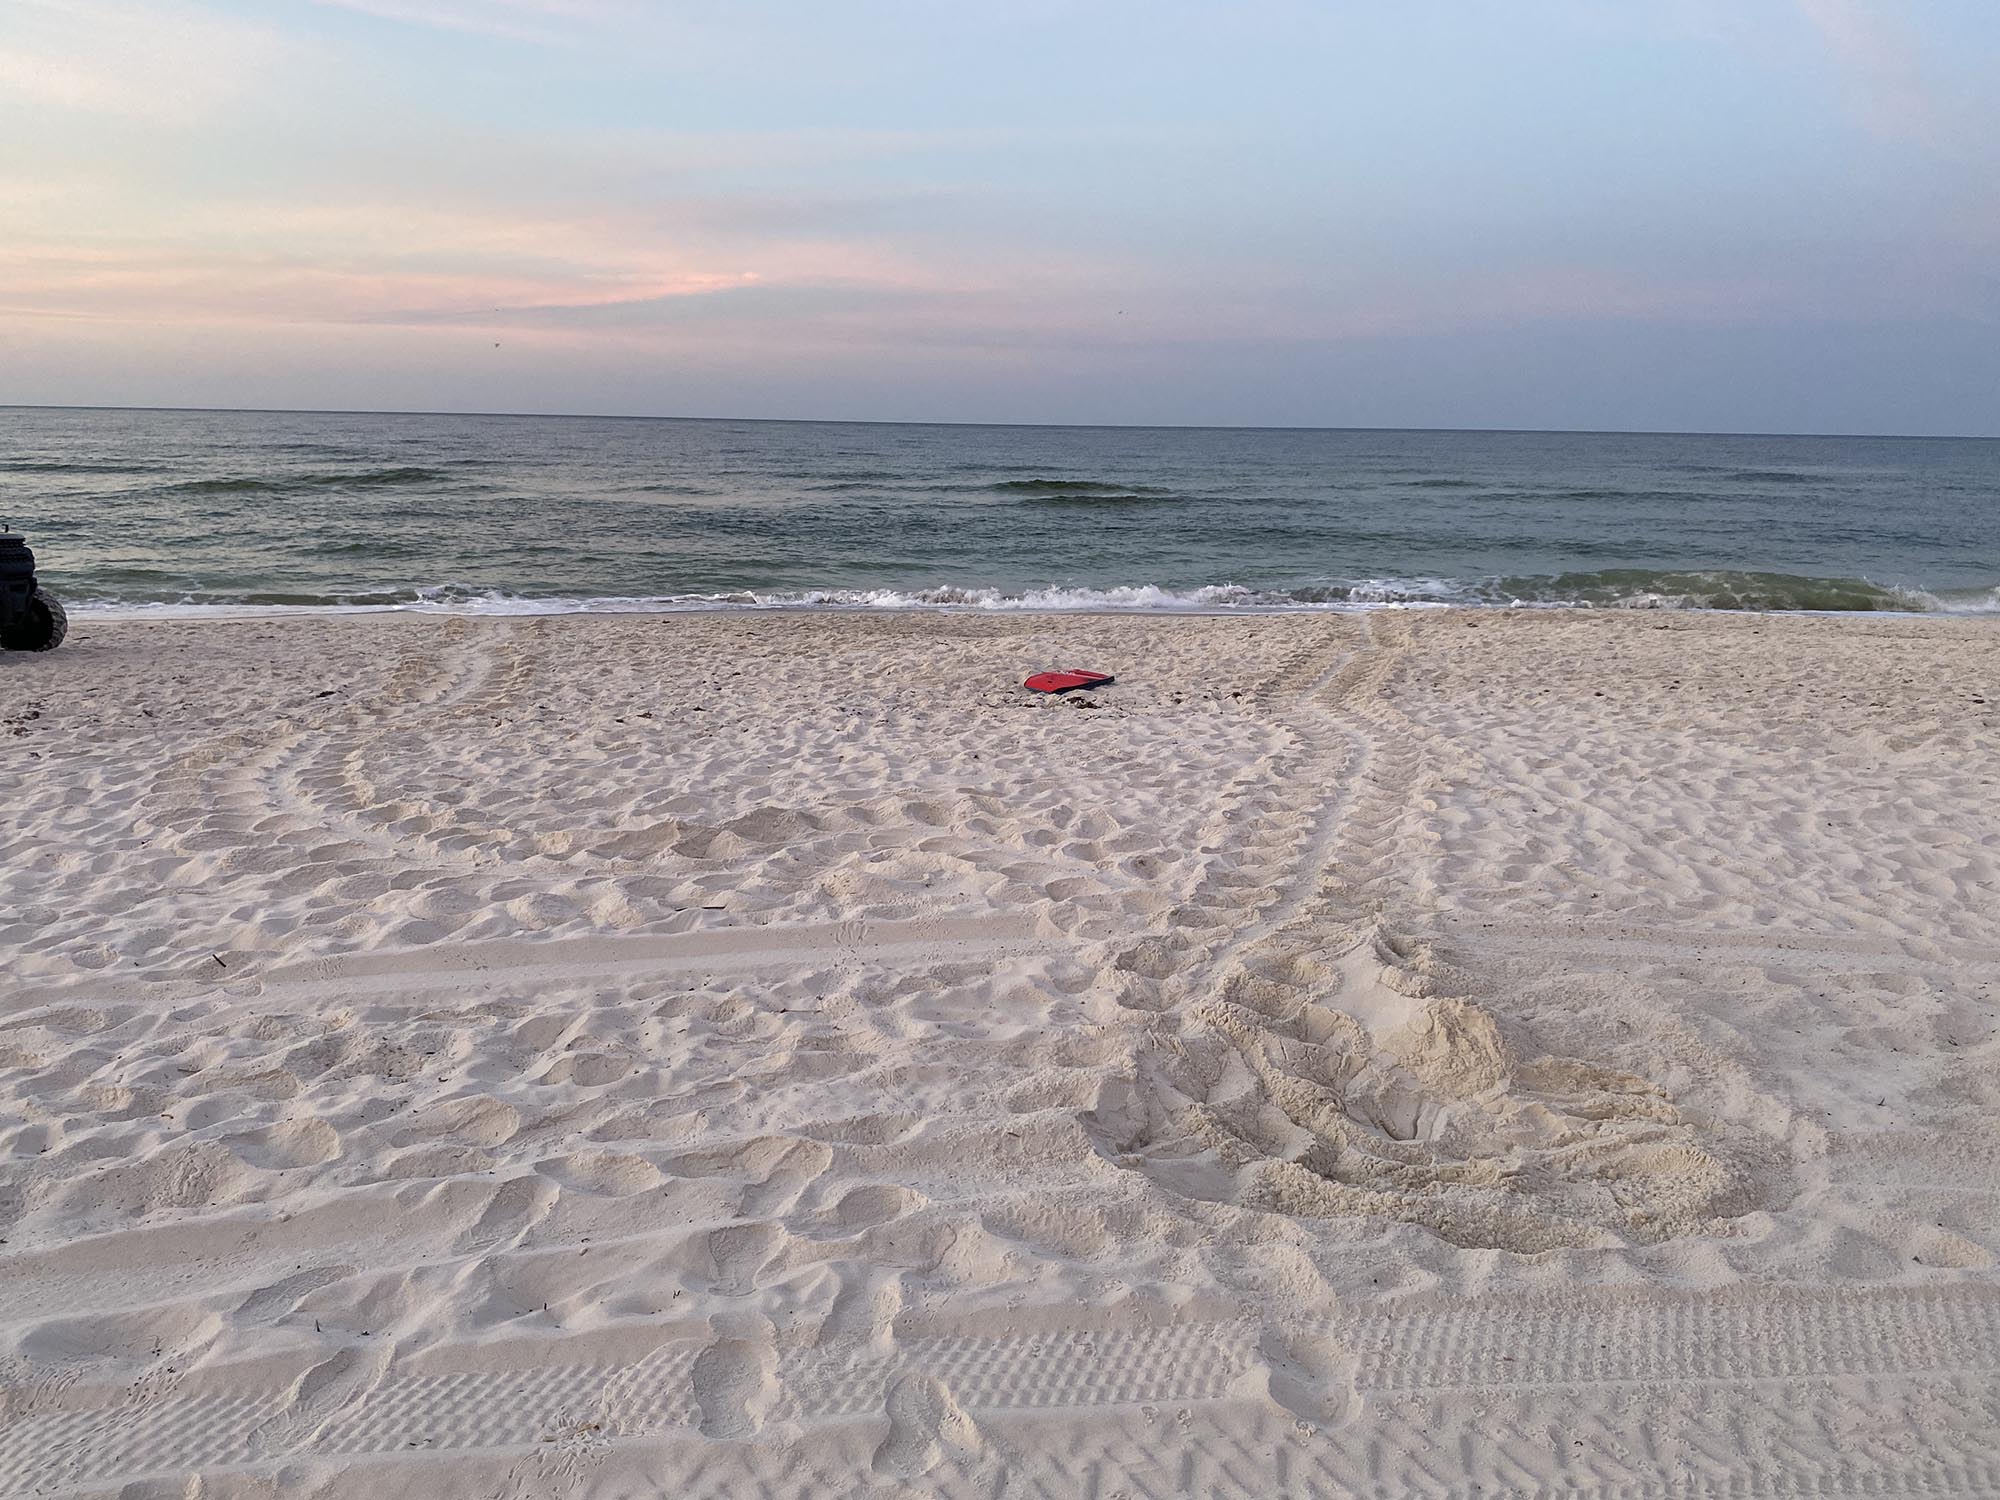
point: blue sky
(1710, 214)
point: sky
(1709, 215)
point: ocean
(186, 512)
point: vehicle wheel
(44, 627)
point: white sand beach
(1433, 1053)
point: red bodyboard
(1063, 682)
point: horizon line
(342, 411)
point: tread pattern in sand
(1358, 1057)
(1318, 1057)
(1668, 1395)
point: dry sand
(1390, 1055)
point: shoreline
(145, 613)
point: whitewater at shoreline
(1720, 595)
(1395, 1052)
(544, 515)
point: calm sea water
(208, 510)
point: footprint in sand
(865, 1207)
(925, 1426)
(280, 1299)
(1309, 1374)
(515, 1207)
(734, 1383)
(326, 1390)
(740, 1251)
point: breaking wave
(1074, 487)
(1617, 588)
(1099, 500)
(361, 479)
(72, 466)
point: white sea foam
(1141, 598)
(1697, 592)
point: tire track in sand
(1321, 1060)
(1626, 1394)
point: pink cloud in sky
(368, 180)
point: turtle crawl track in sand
(1401, 1055)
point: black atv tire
(44, 627)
